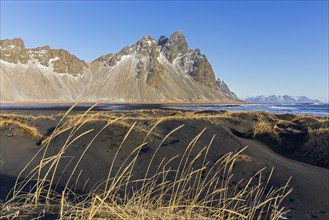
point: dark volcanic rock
(202, 71)
(162, 41)
(191, 62)
(176, 45)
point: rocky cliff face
(224, 89)
(148, 71)
(61, 60)
(173, 47)
(147, 66)
(193, 63)
(14, 51)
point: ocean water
(310, 109)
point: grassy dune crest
(19, 125)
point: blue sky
(257, 47)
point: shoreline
(295, 109)
(148, 103)
(119, 103)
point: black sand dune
(291, 148)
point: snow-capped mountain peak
(285, 99)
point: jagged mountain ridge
(14, 51)
(285, 99)
(223, 87)
(148, 71)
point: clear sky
(257, 47)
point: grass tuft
(18, 127)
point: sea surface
(310, 109)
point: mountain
(281, 99)
(224, 88)
(163, 70)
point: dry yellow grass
(269, 126)
(25, 117)
(19, 123)
(317, 131)
(18, 127)
(312, 117)
(263, 127)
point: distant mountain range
(281, 99)
(163, 70)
